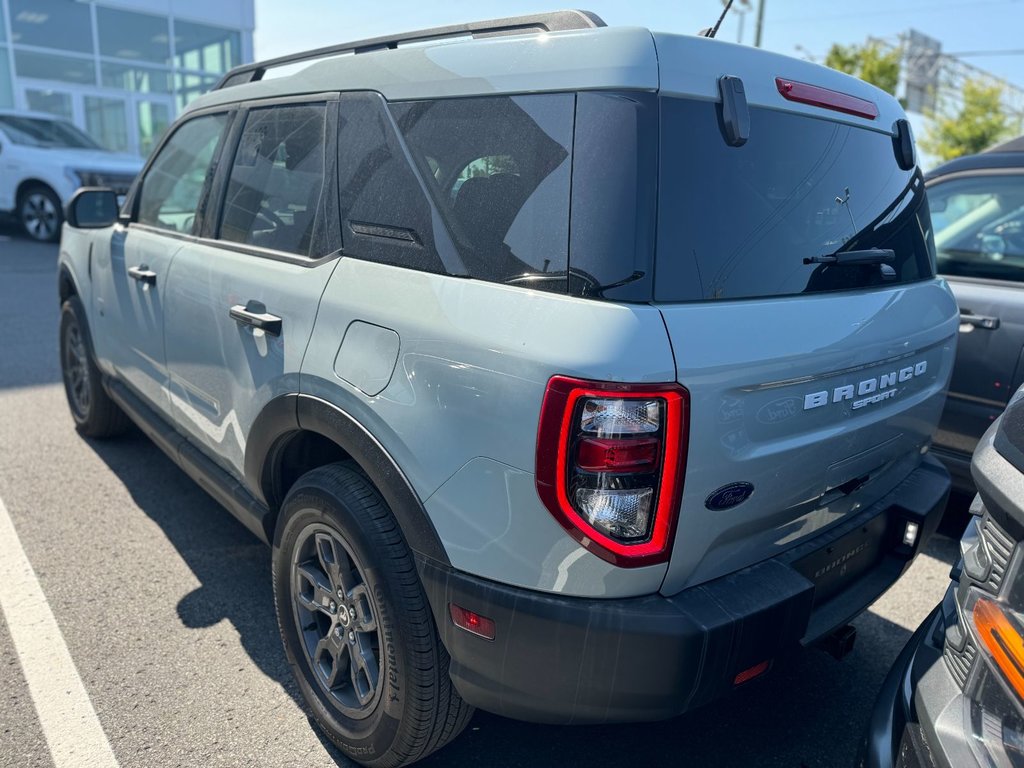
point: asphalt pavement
(165, 606)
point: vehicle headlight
(997, 693)
(89, 178)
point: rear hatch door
(814, 386)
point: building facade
(119, 69)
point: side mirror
(92, 208)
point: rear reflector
(823, 97)
(749, 674)
(474, 623)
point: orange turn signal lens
(1003, 642)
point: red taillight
(823, 97)
(610, 465)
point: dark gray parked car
(955, 696)
(977, 206)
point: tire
(392, 701)
(95, 414)
(40, 213)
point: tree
(981, 121)
(869, 62)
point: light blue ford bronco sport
(574, 373)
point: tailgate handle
(978, 321)
(842, 490)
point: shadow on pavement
(231, 565)
(809, 712)
(28, 281)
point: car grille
(1000, 548)
(119, 182)
(960, 662)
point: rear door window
(498, 169)
(277, 178)
(979, 226)
(739, 222)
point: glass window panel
(276, 180)
(174, 184)
(6, 90)
(44, 132)
(106, 121)
(140, 79)
(54, 102)
(126, 35)
(192, 86)
(62, 24)
(45, 66)
(206, 48)
(3, 29)
(502, 167)
(153, 119)
(979, 226)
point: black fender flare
(286, 415)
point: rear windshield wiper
(869, 256)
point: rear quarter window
(498, 169)
(738, 222)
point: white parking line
(70, 726)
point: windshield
(774, 216)
(40, 132)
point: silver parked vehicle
(575, 373)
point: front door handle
(143, 274)
(255, 313)
(979, 321)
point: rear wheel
(40, 214)
(356, 626)
(95, 414)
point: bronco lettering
(884, 385)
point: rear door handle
(143, 274)
(255, 314)
(979, 321)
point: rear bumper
(570, 660)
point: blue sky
(284, 26)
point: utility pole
(760, 24)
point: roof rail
(513, 25)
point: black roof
(1010, 154)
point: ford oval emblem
(729, 496)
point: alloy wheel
(76, 370)
(336, 619)
(40, 216)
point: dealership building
(119, 69)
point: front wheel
(40, 214)
(95, 414)
(356, 625)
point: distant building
(120, 69)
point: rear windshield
(738, 222)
